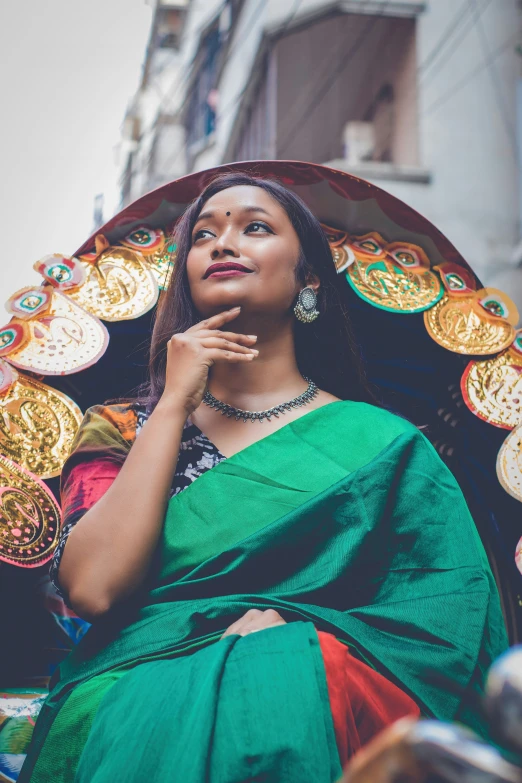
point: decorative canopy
(441, 348)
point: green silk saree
(345, 520)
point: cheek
(277, 259)
(193, 266)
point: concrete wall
(455, 83)
(311, 118)
(466, 142)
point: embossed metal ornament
(343, 257)
(29, 517)
(37, 424)
(29, 302)
(342, 253)
(8, 376)
(456, 280)
(13, 337)
(498, 304)
(461, 325)
(391, 287)
(162, 264)
(147, 240)
(119, 286)
(409, 256)
(62, 272)
(335, 236)
(369, 247)
(509, 463)
(492, 388)
(63, 340)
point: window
(200, 119)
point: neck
(273, 377)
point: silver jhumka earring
(305, 308)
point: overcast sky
(68, 69)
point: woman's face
(244, 252)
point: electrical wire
(179, 85)
(430, 61)
(443, 99)
(467, 28)
(445, 37)
(497, 86)
(456, 25)
(230, 107)
(235, 101)
(322, 73)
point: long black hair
(326, 350)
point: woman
(327, 524)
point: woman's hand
(254, 620)
(191, 354)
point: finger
(243, 339)
(234, 628)
(272, 616)
(218, 355)
(251, 614)
(226, 345)
(216, 321)
(261, 628)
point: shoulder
(106, 433)
(353, 434)
(367, 415)
(121, 418)
(370, 428)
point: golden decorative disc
(394, 288)
(462, 326)
(343, 257)
(120, 285)
(492, 389)
(64, 339)
(162, 264)
(335, 236)
(369, 247)
(37, 426)
(29, 517)
(509, 463)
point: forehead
(243, 196)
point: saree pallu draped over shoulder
(345, 521)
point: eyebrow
(208, 215)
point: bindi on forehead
(228, 214)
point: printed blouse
(104, 439)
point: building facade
(420, 98)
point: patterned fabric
(100, 448)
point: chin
(213, 305)
(222, 297)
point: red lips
(226, 266)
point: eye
(258, 227)
(201, 234)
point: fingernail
(252, 336)
(254, 350)
(233, 309)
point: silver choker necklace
(229, 410)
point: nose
(225, 245)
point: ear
(313, 281)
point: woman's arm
(109, 550)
